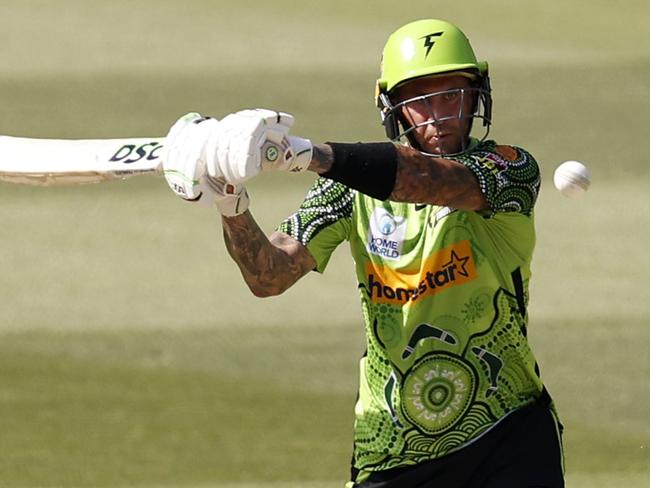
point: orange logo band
(449, 267)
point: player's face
(440, 110)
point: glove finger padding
(183, 155)
(277, 124)
(279, 151)
(270, 117)
(231, 153)
(237, 150)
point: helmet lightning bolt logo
(429, 42)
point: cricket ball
(572, 179)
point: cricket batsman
(439, 221)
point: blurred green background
(131, 352)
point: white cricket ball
(572, 178)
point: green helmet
(424, 48)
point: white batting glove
(250, 141)
(185, 169)
(183, 156)
(229, 199)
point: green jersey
(444, 295)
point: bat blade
(50, 162)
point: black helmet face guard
(399, 127)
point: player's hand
(183, 156)
(250, 141)
(228, 198)
(185, 167)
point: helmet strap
(486, 98)
(388, 116)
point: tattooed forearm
(438, 181)
(322, 159)
(269, 265)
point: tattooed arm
(425, 179)
(269, 265)
(422, 179)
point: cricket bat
(49, 162)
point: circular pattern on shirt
(387, 325)
(437, 391)
(477, 306)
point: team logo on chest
(386, 234)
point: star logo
(458, 263)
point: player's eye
(450, 96)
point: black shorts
(522, 451)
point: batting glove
(229, 199)
(183, 156)
(250, 141)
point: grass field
(131, 353)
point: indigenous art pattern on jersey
(325, 204)
(508, 176)
(443, 296)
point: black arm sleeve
(370, 168)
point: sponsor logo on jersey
(500, 159)
(445, 269)
(492, 163)
(436, 217)
(386, 234)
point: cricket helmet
(426, 48)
